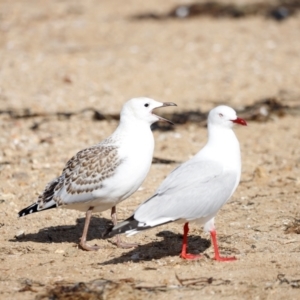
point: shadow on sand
(170, 246)
(67, 233)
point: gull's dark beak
(169, 104)
(164, 104)
(240, 121)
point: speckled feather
(83, 173)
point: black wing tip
(107, 233)
(128, 224)
(33, 208)
(28, 210)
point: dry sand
(59, 56)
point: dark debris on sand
(278, 10)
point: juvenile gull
(99, 177)
(197, 189)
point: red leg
(184, 245)
(213, 234)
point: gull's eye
(221, 115)
(146, 105)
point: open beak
(240, 121)
(164, 105)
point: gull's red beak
(240, 121)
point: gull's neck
(134, 139)
(133, 125)
(133, 130)
(222, 146)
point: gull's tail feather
(45, 200)
(34, 208)
(129, 227)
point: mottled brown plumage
(90, 167)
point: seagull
(196, 190)
(99, 177)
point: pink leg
(184, 245)
(119, 242)
(217, 257)
(83, 243)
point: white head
(224, 116)
(142, 109)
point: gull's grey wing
(195, 190)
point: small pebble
(20, 233)
(59, 251)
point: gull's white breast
(135, 152)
